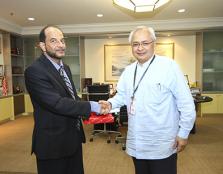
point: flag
(4, 86)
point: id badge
(132, 107)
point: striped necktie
(67, 81)
(69, 86)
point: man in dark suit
(58, 133)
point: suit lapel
(53, 71)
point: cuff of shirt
(110, 101)
(95, 107)
(183, 133)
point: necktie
(67, 82)
(69, 86)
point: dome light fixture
(100, 15)
(181, 10)
(31, 19)
(140, 5)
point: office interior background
(196, 40)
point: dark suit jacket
(55, 112)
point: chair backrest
(98, 92)
(98, 88)
(123, 114)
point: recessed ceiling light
(99, 15)
(31, 19)
(181, 10)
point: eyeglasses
(55, 41)
(143, 44)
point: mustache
(61, 49)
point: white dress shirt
(164, 108)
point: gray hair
(149, 29)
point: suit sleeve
(45, 91)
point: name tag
(132, 107)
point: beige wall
(94, 56)
(184, 53)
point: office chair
(123, 120)
(96, 93)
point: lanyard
(135, 89)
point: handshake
(105, 106)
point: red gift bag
(96, 119)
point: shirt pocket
(154, 93)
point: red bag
(96, 119)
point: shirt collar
(54, 63)
(146, 63)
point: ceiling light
(31, 19)
(140, 5)
(181, 10)
(99, 15)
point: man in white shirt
(161, 110)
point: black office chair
(96, 93)
(123, 120)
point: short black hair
(42, 35)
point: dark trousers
(161, 166)
(67, 165)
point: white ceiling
(83, 13)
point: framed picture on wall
(116, 58)
(165, 49)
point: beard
(54, 55)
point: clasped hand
(105, 107)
